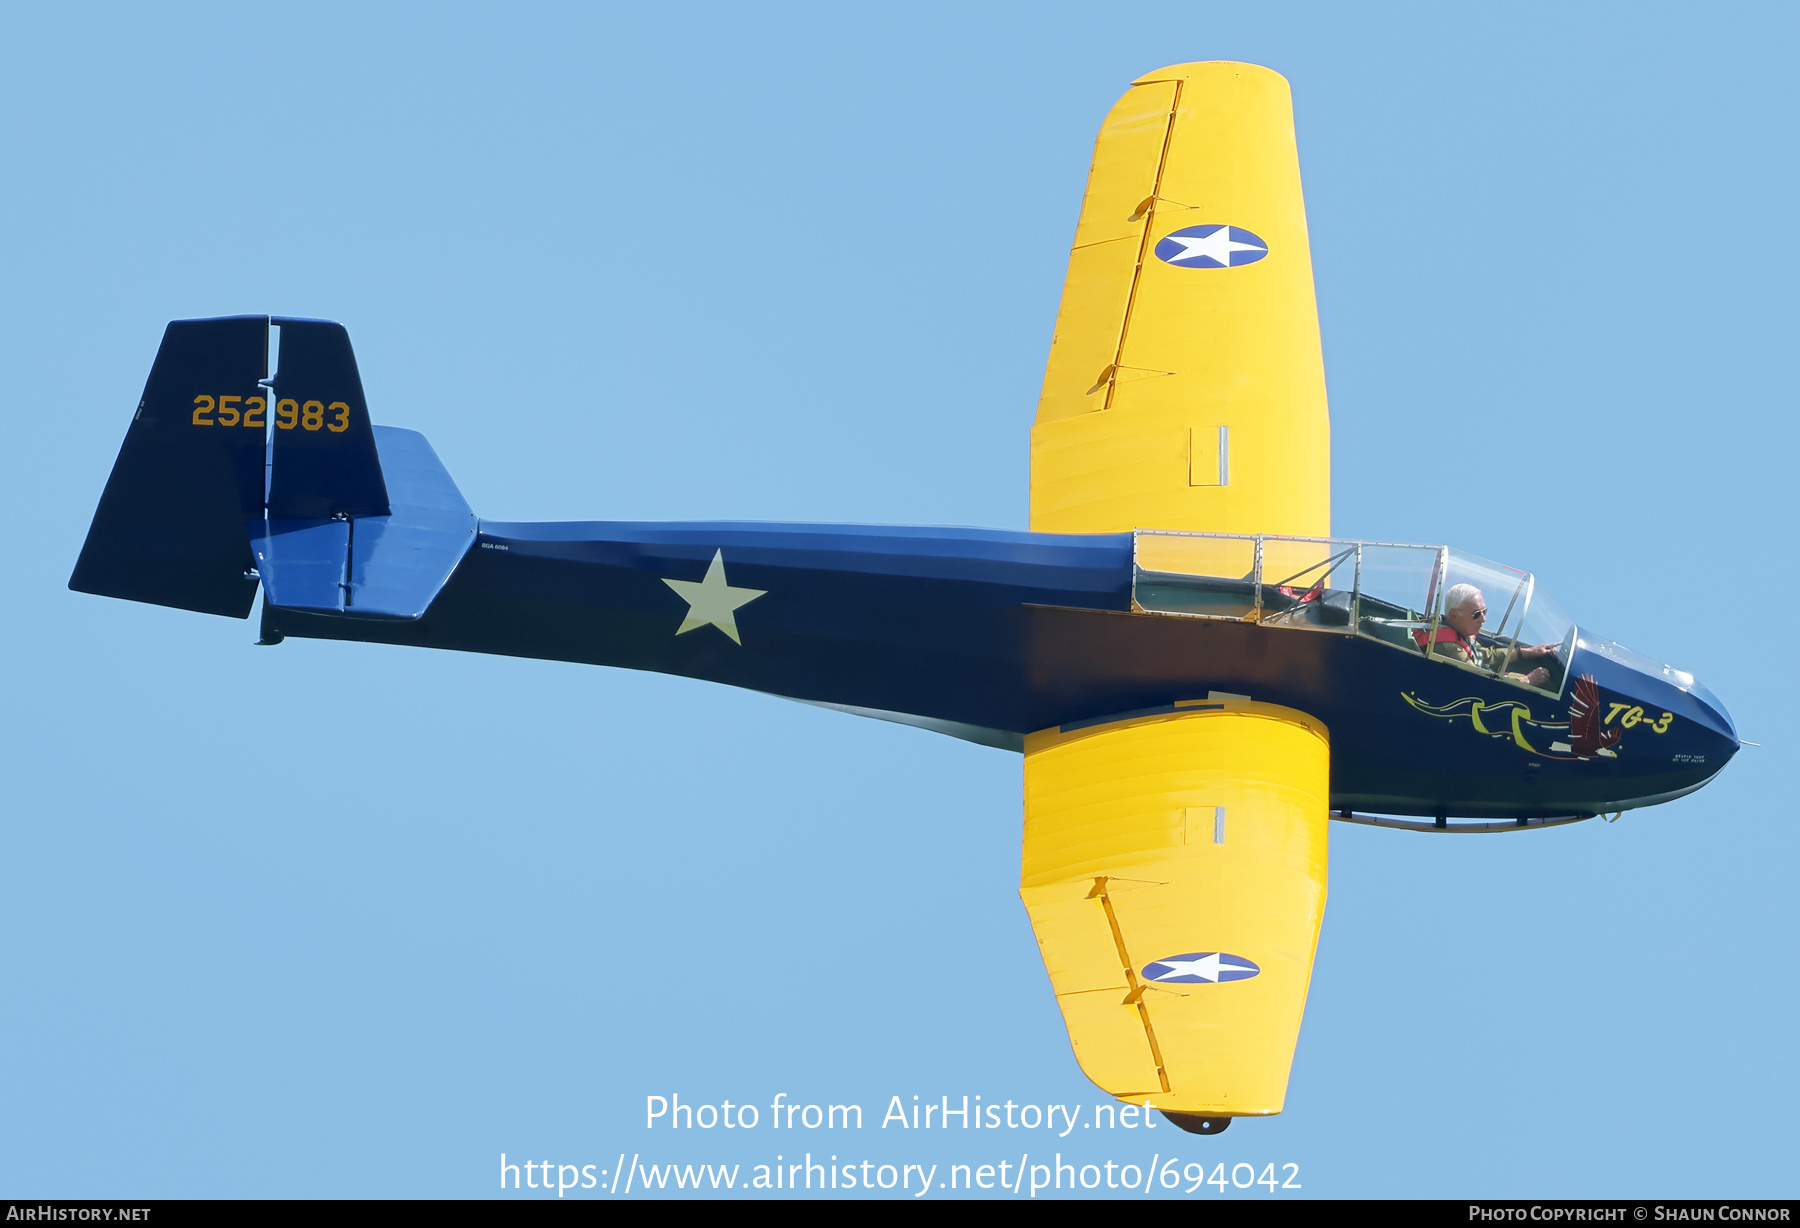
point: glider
(1197, 674)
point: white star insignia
(712, 602)
(1216, 246)
(1207, 967)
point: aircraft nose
(1702, 705)
(1658, 686)
(1707, 699)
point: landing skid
(1199, 1125)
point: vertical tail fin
(170, 526)
(186, 497)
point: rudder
(324, 462)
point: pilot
(1465, 610)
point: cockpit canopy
(1380, 590)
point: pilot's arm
(1537, 652)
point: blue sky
(337, 919)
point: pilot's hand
(1540, 650)
(1538, 676)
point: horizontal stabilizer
(386, 566)
(302, 562)
(404, 558)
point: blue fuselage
(991, 635)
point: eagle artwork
(1588, 736)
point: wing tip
(1210, 68)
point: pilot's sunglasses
(1478, 615)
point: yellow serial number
(289, 414)
(229, 411)
(310, 415)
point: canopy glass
(1463, 610)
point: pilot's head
(1465, 609)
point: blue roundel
(1212, 246)
(1200, 968)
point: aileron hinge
(1149, 202)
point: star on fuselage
(711, 601)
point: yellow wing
(1174, 870)
(1182, 392)
(1174, 866)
